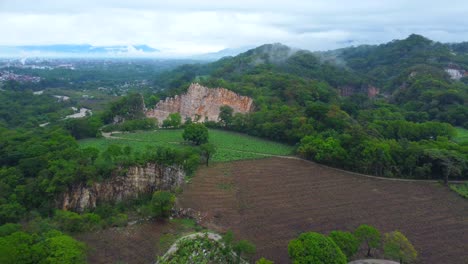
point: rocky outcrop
(371, 90)
(137, 180)
(201, 103)
(456, 73)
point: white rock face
(201, 103)
(455, 74)
(80, 114)
(137, 180)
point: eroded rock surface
(201, 103)
(136, 181)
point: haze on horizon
(188, 27)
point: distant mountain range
(87, 50)
(77, 50)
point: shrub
(315, 248)
(196, 133)
(73, 222)
(346, 241)
(8, 229)
(160, 205)
(368, 235)
(398, 247)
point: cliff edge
(120, 186)
(201, 103)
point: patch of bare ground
(139, 243)
(271, 201)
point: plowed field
(271, 201)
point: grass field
(230, 146)
(462, 135)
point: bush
(368, 235)
(117, 220)
(8, 229)
(196, 133)
(315, 248)
(160, 205)
(73, 222)
(398, 247)
(346, 241)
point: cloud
(190, 27)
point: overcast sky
(190, 27)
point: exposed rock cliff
(135, 182)
(201, 103)
(371, 90)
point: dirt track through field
(271, 201)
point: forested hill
(386, 109)
(383, 63)
(378, 65)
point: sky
(187, 27)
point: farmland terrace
(271, 201)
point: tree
(346, 241)
(207, 151)
(444, 162)
(173, 120)
(161, 204)
(196, 133)
(328, 151)
(369, 235)
(225, 115)
(59, 248)
(244, 248)
(314, 248)
(398, 247)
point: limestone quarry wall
(136, 181)
(201, 102)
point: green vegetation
(24, 109)
(204, 249)
(229, 145)
(368, 235)
(398, 247)
(174, 120)
(340, 246)
(346, 241)
(461, 189)
(315, 248)
(263, 261)
(200, 250)
(408, 133)
(51, 247)
(132, 125)
(195, 133)
(461, 135)
(160, 205)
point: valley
(291, 155)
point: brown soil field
(272, 201)
(136, 244)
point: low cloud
(191, 27)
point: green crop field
(230, 146)
(462, 135)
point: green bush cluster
(54, 247)
(341, 247)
